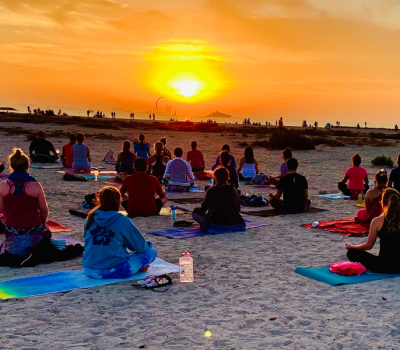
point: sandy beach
(245, 292)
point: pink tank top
(21, 210)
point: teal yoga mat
(323, 274)
(334, 196)
(72, 279)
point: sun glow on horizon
(187, 88)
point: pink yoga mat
(101, 172)
(56, 227)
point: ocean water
(124, 114)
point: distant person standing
(365, 124)
(396, 128)
(29, 110)
(154, 116)
(281, 123)
(132, 115)
(40, 149)
(150, 116)
(88, 112)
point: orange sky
(292, 58)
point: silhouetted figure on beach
(150, 116)
(88, 112)
(365, 124)
(358, 126)
(154, 116)
(396, 128)
(29, 110)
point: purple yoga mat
(194, 231)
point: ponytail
(108, 199)
(18, 160)
(391, 209)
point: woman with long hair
(25, 211)
(387, 228)
(108, 235)
(81, 158)
(125, 159)
(158, 162)
(373, 199)
(142, 149)
(248, 165)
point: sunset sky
(294, 58)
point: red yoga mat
(346, 227)
(56, 227)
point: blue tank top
(142, 152)
(80, 156)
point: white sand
(242, 280)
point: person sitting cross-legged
(141, 189)
(387, 228)
(42, 150)
(221, 206)
(108, 236)
(357, 177)
(294, 188)
(178, 175)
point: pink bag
(347, 268)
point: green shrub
(382, 160)
(292, 139)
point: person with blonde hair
(25, 211)
(108, 236)
(387, 228)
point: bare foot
(144, 268)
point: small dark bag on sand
(73, 177)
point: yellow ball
(207, 334)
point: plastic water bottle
(173, 211)
(186, 268)
(96, 174)
(360, 198)
(315, 224)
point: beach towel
(167, 211)
(195, 231)
(72, 279)
(187, 200)
(272, 212)
(56, 227)
(346, 227)
(89, 176)
(334, 196)
(323, 274)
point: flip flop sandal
(159, 281)
(144, 281)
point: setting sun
(187, 88)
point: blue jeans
(127, 268)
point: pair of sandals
(155, 283)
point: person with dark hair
(178, 176)
(248, 165)
(81, 158)
(2, 167)
(357, 177)
(233, 174)
(108, 236)
(294, 188)
(218, 160)
(142, 188)
(394, 178)
(286, 154)
(125, 159)
(142, 149)
(387, 228)
(221, 206)
(157, 162)
(195, 158)
(42, 150)
(25, 211)
(373, 198)
(166, 151)
(66, 156)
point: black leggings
(159, 205)
(242, 178)
(372, 262)
(343, 187)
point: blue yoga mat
(192, 190)
(68, 280)
(195, 231)
(323, 274)
(334, 196)
(110, 163)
